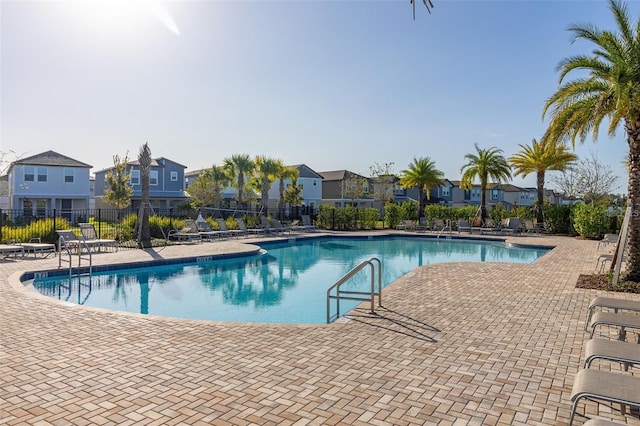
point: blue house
(166, 185)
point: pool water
(286, 284)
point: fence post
(99, 222)
(55, 214)
(170, 218)
(1, 223)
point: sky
(330, 84)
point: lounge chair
(618, 320)
(222, 226)
(610, 303)
(7, 250)
(35, 246)
(626, 353)
(90, 236)
(600, 385)
(437, 225)
(463, 226)
(243, 227)
(405, 225)
(279, 227)
(187, 233)
(268, 227)
(529, 226)
(608, 239)
(512, 225)
(306, 222)
(207, 231)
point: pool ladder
(79, 246)
(355, 295)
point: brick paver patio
(455, 344)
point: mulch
(603, 282)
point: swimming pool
(286, 283)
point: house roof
(338, 175)
(306, 171)
(51, 158)
(155, 162)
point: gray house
(166, 185)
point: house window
(174, 176)
(494, 194)
(29, 174)
(41, 208)
(445, 191)
(467, 194)
(153, 177)
(27, 207)
(365, 187)
(66, 204)
(69, 175)
(42, 174)
(135, 177)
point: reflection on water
(286, 285)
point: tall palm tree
(285, 173)
(421, 174)
(144, 160)
(219, 179)
(238, 166)
(485, 164)
(267, 169)
(609, 89)
(538, 158)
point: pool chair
(35, 246)
(91, 238)
(7, 250)
(188, 233)
(608, 239)
(278, 226)
(463, 226)
(627, 353)
(306, 222)
(607, 387)
(253, 231)
(222, 226)
(269, 227)
(622, 321)
(208, 232)
(512, 225)
(610, 303)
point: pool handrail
(352, 295)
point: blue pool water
(286, 284)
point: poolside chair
(207, 231)
(529, 226)
(7, 250)
(626, 353)
(617, 320)
(608, 239)
(463, 226)
(268, 227)
(35, 246)
(512, 225)
(405, 225)
(222, 225)
(243, 227)
(279, 227)
(437, 225)
(187, 233)
(610, 303)
(306, 222)
(605, 386)
(90, 236)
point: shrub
(392, 215)
(590, 221)
(557, 219)
(370, 217)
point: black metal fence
(121, 224)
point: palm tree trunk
(633, 139)
(540, 182)
(483, 201)
(420, 204)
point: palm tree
(284, 173)
(145, 160)
(609, 89)
(267, 169)
(487, 163)
(238, 166)
(219, 179)
(538, 158)
(421, 174)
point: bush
(557, 219)
(590, 221)
(392, 215)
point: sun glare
(122, 16)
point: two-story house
(342, 187)
(166, 185)
(310, 182)
(39, 184)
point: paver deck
(455, 344)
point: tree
(285, 173)
(485, 164)
(589, 180)
(383, 182)
(201, 191)
(267, 169)
(118, 191)
(354, 187)
(606, 88)
(219, 180)
(427, 3)
(238, 166)
(144, 160)
(421, 174)
(538, 158)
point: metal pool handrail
(356, 295)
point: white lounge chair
(93, 241)
(616, 304)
